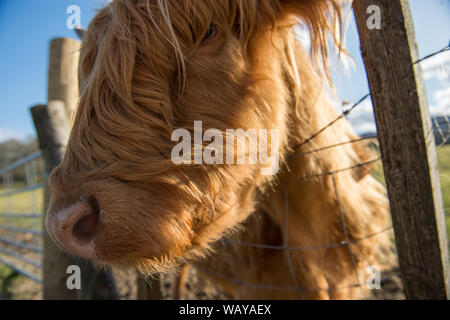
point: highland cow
(149, 67)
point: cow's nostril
(86, 228)
(75, 227)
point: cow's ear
(81, 32)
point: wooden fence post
(52, 130)
(53, 124)
(63, 73)
(63, 86)
(407, 147)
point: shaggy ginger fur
(148, 69)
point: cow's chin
(148, 246)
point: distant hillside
(13, 150)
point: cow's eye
(210, 33)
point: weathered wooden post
(407, 146)
(52, 130)
(63, 73)
(53, 124)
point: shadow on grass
(7, 276)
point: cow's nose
(75, 227)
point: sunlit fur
(146, 71)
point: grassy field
(22, 202)
(444, 170)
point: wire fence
(21, 205)
(440, 130)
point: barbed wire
(331, 173)
(335, 145)
(446, 48)
(347, 241)
(346, 112)
(293, 248)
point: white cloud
(436, 71)
(6, 134)
(437, 67)
(362, 118)
(442, 102)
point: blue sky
(26, 27)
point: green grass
(444, 172)
(6, 276)
(22, 203)
(4, 271)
